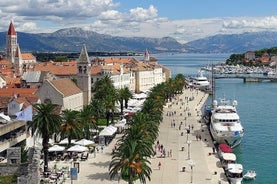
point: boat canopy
(225, 148)
(229, 156)
(235, 168)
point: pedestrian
(170, 152)
(192, 127)
(199, 137)
(159, 165)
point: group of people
(161, 152)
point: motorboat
(228, 158)
(250, 174)
(234, 173)
(200, 81)
(225, 148)
(225, 126)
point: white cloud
(103, 17)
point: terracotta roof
(22, 91)
(65, 86)
(28, 56)
(56, 68)
(11, 30)
(12, 80)
(117, 60)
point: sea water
(257, 107)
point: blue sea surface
(257, 108)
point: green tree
(45, 122)
(124, 95)
(71, 126)
(87, 120)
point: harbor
(257, 115)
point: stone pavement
(193, 155)
(200, 165)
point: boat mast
(213, 84)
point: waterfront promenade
(191, 160)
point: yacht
(200, 81)
(225, 126)
(234, 173)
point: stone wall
(28, 173)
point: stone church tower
(11, 43)
(84, 75)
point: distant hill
(72, 39)
(234, 43)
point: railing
(13, 140)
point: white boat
(228, 158)
(250, 174)
(200, 81)
(234, 173)
(225, 123)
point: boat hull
(230, 138)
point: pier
(247, 77)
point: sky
(184, 20)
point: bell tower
(84, 75)
(11, 43)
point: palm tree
(71, 127)
(127, 95)
(124, 94)
(131, 158)
(105, 91)
(128, 160)
(46, 122)
(88, 121)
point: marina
(257, 150)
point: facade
(249, 55)
(62, 92)
(13, 53)
(11, 134)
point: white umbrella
(84, 142)
(77, 148)
(65, 141)
(56, 148)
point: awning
(78, 148)
(225, 148)
(84, 142)
(229, 156)
(56, 148)
(108, 131)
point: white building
(63, 92)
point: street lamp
(188, 131)
(192, 164)
(188, 142)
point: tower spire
(11, 30)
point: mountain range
(72, 39)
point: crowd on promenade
(182, 149)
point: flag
(26, 114)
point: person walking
(159, 165)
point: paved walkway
(200, 165)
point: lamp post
(192, 164)
(188, 132)
(188, 142)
